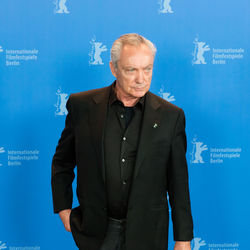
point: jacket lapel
(150, 122)
(97, 119)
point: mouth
(141, 88)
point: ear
(112, 68)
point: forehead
(141, 54)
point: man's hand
(64, 215)
(182, 245)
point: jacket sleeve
(63, 164)
(178, 188)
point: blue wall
(202, 65)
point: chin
(139, 93)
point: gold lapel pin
(155, 125)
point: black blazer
(160, 168)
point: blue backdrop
(49, 49)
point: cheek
(125, 77)
(126, 82)
(148, 76)
(129, 80)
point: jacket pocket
(75, 219)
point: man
(129, 146)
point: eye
(148, 69)
(130, 70)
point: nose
(140, 77)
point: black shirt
(121, 137)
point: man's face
(134, 71)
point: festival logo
(165, 7)
(217, 55)
(198, 148)
(1, 49)
(197, 243)
(61, 102)
(96, 49)
(2, 245)
(198, 54)
(15, 57)
(166, 95)
(19, 157)
(1, 152)
(217, 155)
(60, 7)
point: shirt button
(123, 160)
(124, 182)
(124, 138)
(122, 115)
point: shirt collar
(113, 97)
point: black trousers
(115, 235)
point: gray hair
(130, 39)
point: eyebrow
(150, 65)
(133, 67)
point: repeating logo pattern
(166, 95)
(216, 155)
(198, 243)
(198, 148)
(16, 57)
(208, 50)
(165, 7)
(60, 105)
(60, 7)
(198, 54)
(18, 157)
(1, 152)
(96, 49)
(2, 245)
(217, 55)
